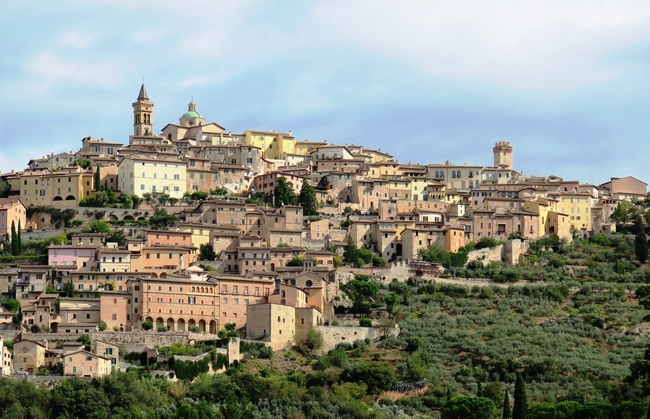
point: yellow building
(305, 148)
(578, 207)
(64, 187)
(274, 145)
(139, 174)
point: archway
(57, 198)
(112, 217)
(129, 218)
(170, 325)
(398, 249)
(154, 275)
(54, 328)
(191, 324)
(70, 198)
(163, 274)
(181, 325)
(202, 325)
(149, 320)
(160, 322)
(213, 327)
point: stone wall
(486, 255)
(150, 339)
(336, 334)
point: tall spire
(143, 93)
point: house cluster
(154, 277)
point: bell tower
(142, 114)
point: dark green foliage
(520, 406)
(283, 193)
(487, 242)
(307, 198)
(295, 261)
(147, 325)
(468, 408)
(188, 370)
(641, 242)
(85, 341)
(354, 256)
(161, 219)
(206, 252)
(378, 376)
(507, 412)
(360, 292)
(365, 322)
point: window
(114, 317)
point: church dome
(191, 117)
(191, 114)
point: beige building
(86, 364)
(12, 211)
(147, 174)
(30, 355)
(64, 187)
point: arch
(170, 325)
(129, 217)
(70, 198)
(141, 218)
(160, 322)
(202, 325)
(154, 275)
(163, 274)
(551, 230)
(57, 198)
(149, 319)
(180, 325)
(111, 217)
(398, 249)
(213, 327)
(191, 323)
(54, 327)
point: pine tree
(283, 194)
(307, 198)
(641, 242)
(520, 406)
(507, 413)
(19, 245)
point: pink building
(79, 256)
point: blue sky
(565, 82)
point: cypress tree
(507, 413)
(307, 198)
(14, 239)
(448, 394)
(520, 406)
(19, 245)
(640, 242)
(479, 390)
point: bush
(162, 328)
(147, 325)
(365, 322)
(195, 329)
(102, 325)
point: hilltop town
(196, 233)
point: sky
(566, 83)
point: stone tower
(143, 114)
(503, 155)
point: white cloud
(76, 39)
(52, 69)
(523, 44)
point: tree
(206, 252)
(520, 406)
(313, 340)
(295, 261)
(283, 193)
(14, 239)
(102, 325)
(641, 242)
(97, 227)
(98, 178)
(360, 291)
(117, 236)
(625, 212)
(463, 407)
(147, 325)
(161, 219)
(307, 198)
(507, 413)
